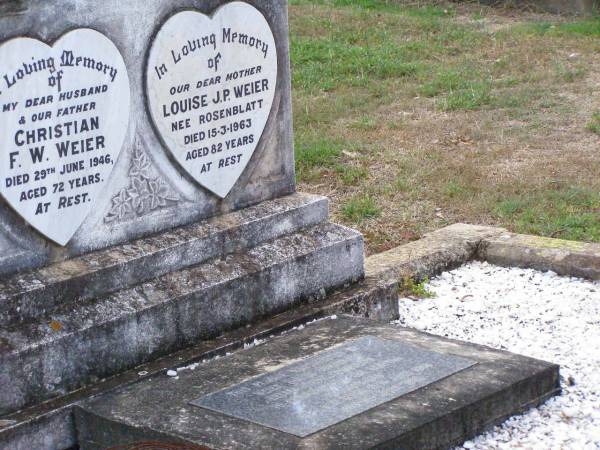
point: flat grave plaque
(334, 385)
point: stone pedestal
(69, 324)
(73, 323)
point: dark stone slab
(436, 416)
(334, 385)
(50, 425)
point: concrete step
(36, 293)
(83, 342)
(340, 383)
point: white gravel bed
(536, 314)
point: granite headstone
(121, 126)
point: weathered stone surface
(334, 385)
(454, 245)
(570, 258)
(77, 345)
(52, 431)
(144, 164)
(375, 297)
(440, 250)
(36, 293)
(434, 417)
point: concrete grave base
(50, 424)
(445, 412)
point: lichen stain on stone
(56, 326)
(551, 243)
(247, 263)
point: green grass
(590, 27)
(594, 124)
(443, 109)
(454, 189)
(388, 6)
(508, 209)
(586, 27)
(344, 54)
(365, 123)
(402, 184)
(351, 176)
(569, 74)
(519, 97)
(314, 154)
(416, 289)
(572, 213)
(360, 208)
(477, 95)
(444, 81)
(458, 89)
(328, 63)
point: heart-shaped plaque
(64, 113)
(211, 83)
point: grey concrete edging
(457, 244)
(568, 258)
(440, 250)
